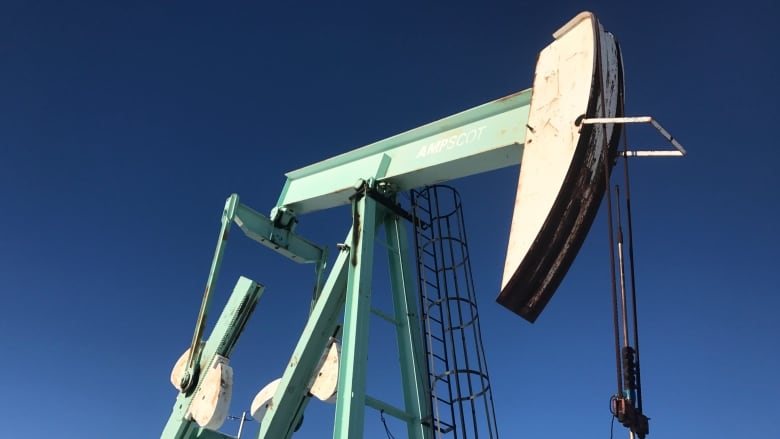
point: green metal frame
(357, 310)
(348, 289)
(408, 330)
(279, 236)
(221, 343)
(481, 139)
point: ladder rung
(437, 338)
(430, 268)
(439, 357)
(444, 401)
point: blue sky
(124, 126)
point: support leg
(354, 348)
(290, 399)
(410, 350)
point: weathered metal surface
(264, 400)
(211, 402)
(278, 239)
(562, 179)
(326, 381)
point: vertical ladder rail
(461, 396)
(431, 302)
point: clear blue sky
(124, 126)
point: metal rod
(639, 119)
(241, 425)
(632, 272)
(651, 154)
(390, 409)
(384, 316)
(622, 270)
(216, 263)
(621, 120)
(608, 194)
(668, 136)
(419, 250)
(612, 280)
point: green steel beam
(279, 239)
(191, 371)
(221, 342)
(481, 139)
(390, 410)
(350, 402)
(384, 316)
(265, 231)
(477, 140)
(282, 240)
(408, 332)
(291, 397)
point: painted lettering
(451, 142)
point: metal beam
(350, 402)
(263, 230)
(680, 150)
(221, 342)
(278, 239)
(200, 325)
(391, 410)
(409, 336)
(477, 140)
(291, 396)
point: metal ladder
(461, 398)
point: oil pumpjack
(563, 132)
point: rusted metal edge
(550, 256)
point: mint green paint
(283, 195)
(384, 165)
(280, 240)
(262, 230)
(408, 334)
(221, 342)
(393, 411)
(478, 140)
(384, 316)
(319, 277)
(216, 263)
(354, 343)
(290, 399)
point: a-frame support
(348, 288)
